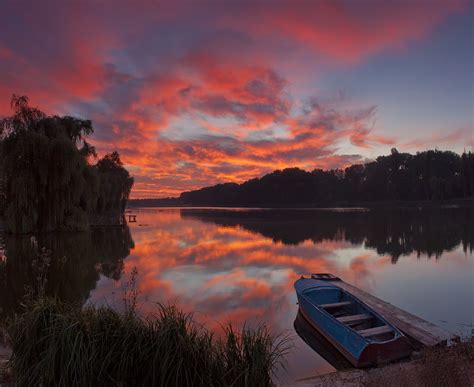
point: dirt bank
(452, 366)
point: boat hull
(320, 344)
(372, 354)
(359, 351)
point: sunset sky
(193, 93)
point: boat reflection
(320, 344)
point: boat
(362, 335)
(319, 344)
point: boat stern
(385, 352)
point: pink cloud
(187, 94)
(347, 31)
(440, 139)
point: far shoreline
(427, 204)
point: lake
(239, 265)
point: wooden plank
(375, 331)
(422, 331)
(354, 319)
(335, 305)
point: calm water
(240, 265)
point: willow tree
(48, 182)
(115, 184)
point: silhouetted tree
(48, 182)
(115, 183)
(45, 168)
(467, 174)
(430, 175)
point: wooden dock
(419, 331)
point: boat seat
(335, 305)
(375, 331)
(355, 319)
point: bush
(55, 343)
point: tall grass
(59, 344)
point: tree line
(48, 180)
(425, 176)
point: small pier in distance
(420, 332)
(132, 218)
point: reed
(54, 343)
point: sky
(194, 93)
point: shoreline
(469, 202)
(447, 366)
(92, 225)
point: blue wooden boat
(363, 336)
(320, 344)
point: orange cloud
(254, 103)
(191, 95)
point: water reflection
(393, 232)
(77, 261)
(240, 266)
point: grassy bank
(58, 344)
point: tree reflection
(394, 232)
(77, 260)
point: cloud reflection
(225, 269)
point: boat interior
(351, 312)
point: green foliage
(48, 181)
(58, 344)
